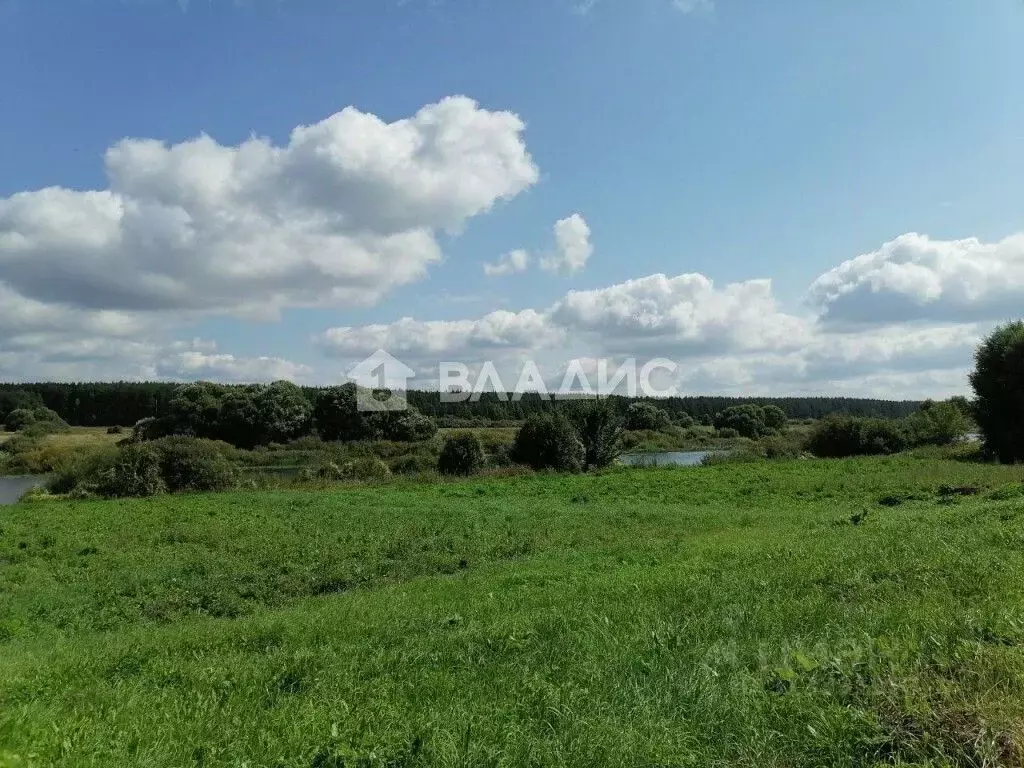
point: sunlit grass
(803, 613)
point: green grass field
(805, 613)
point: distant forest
(124, 403)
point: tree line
(125, 403)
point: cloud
(686, 314)
(495, 332)
(730, 339)
(915, 278)
(572, 246)
(510, 263)
(344, 212)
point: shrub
(749, 420)
(937, 424)
(728, 433)
(998, 382)
(80, 473)
(548, 441)
(683, 419)
(368, 468)
(43, 428)
(150, 428)
(18, 419)
(646, 416)
(842, 436)
(599, 428)
(193, 464)
(135, 472)
(779, 447)
(410, 426)
(413, 464)
(461, 455)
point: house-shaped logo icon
(381, 381)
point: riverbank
(798, 613)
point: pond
(666, 459)
(12, 488)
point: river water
(666, 459)
(12, 488)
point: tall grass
(803, 613)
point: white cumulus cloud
(572, 246)
(345, 211)
(916, 278)
(512, 262)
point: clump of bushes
(172, 464)
(461, 455)
(38, 421)
(751, 421)
(134, 472)
(646, 416)
(191, 464)
(842, 436)
(549, 441)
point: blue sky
(736, 141)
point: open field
(803, 613)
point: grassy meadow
(802, 613)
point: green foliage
(337, 418)
(17, 399)
(194, 464)
(738, 615)
(774, 418)
(262, 414)
(599, 428)
(998, 382)
(647, 416)
(461, 455)
(752, 421)
(683, 419)
(841, 436)
(368, 468)
(549, 441)
(409, 426)
(47, 421)
(135, 472)
(937, 424)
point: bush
(842, 436)
(410, 426)
(751, 421)
(599, 428)
(43, 428)
(413, 464)
(937, 424)
(80, 473)
(193, 464)
(135, 472)
(461, 455)
(728, 433)
(23, 418)
(18, 419)
(548, 441)
(646, 416)
(368, 468)
(998, 382)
